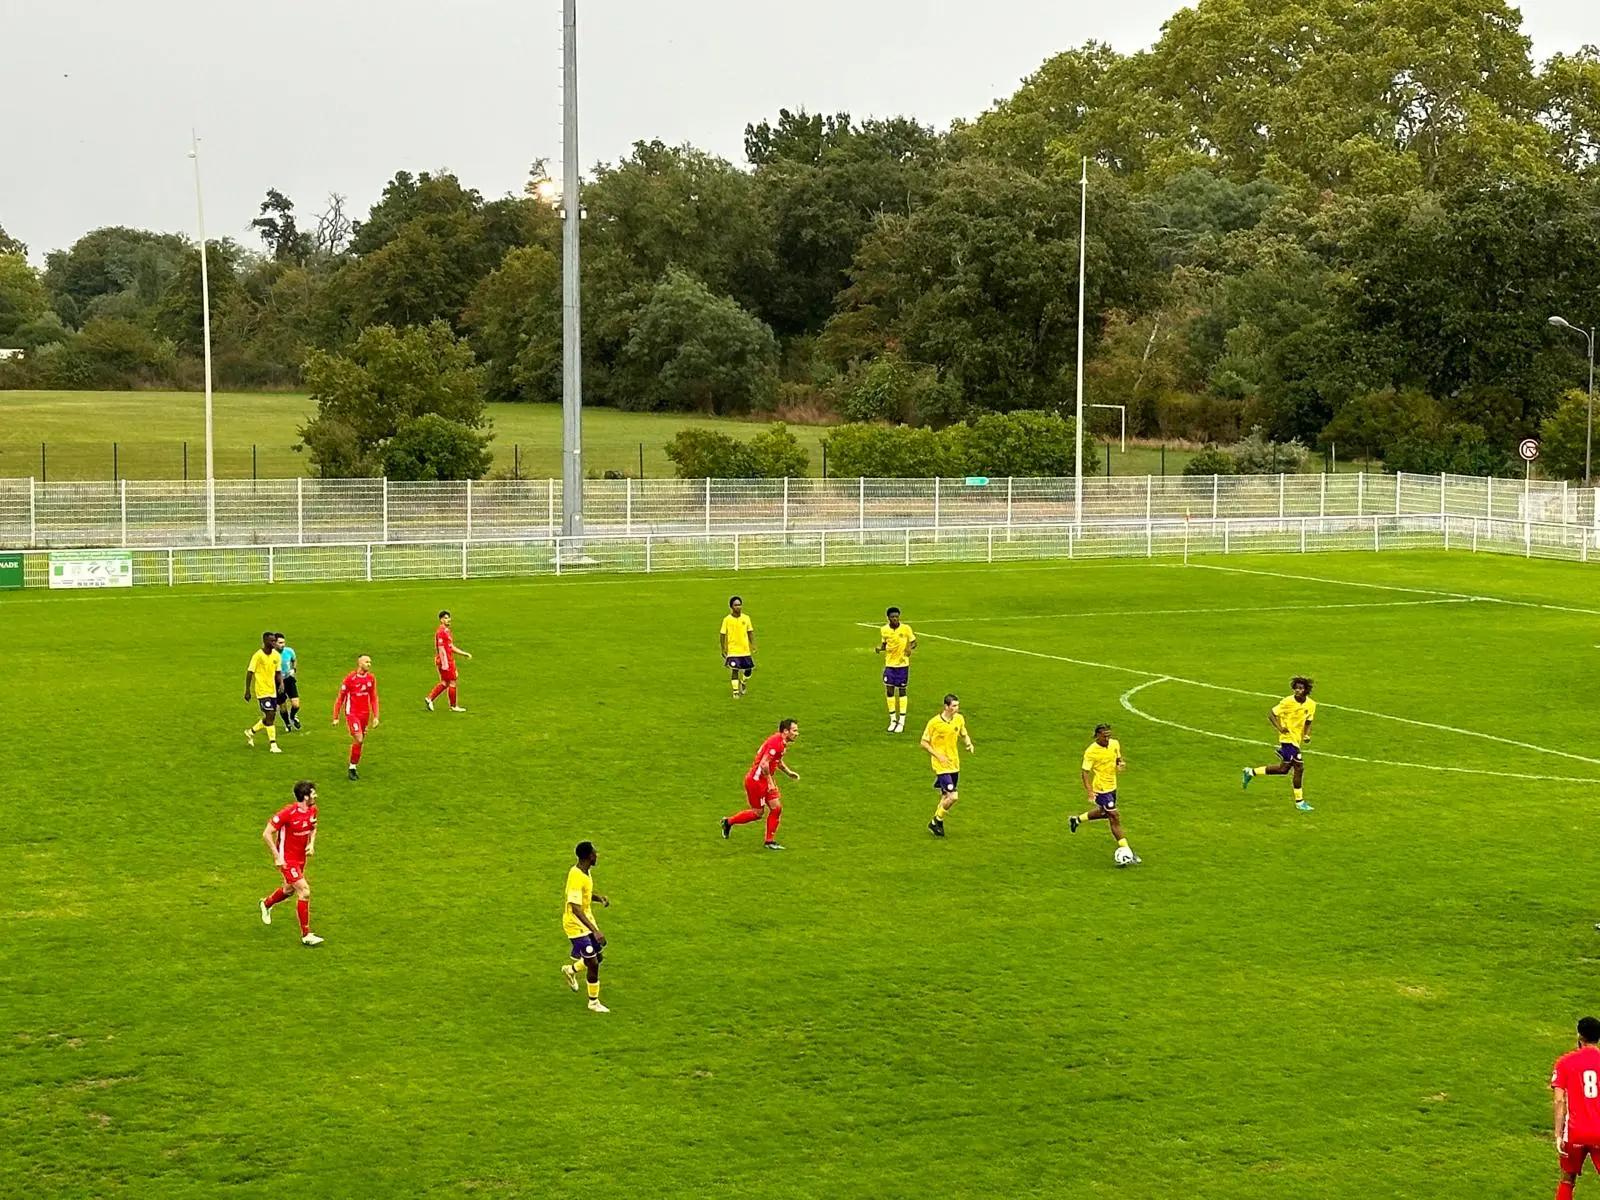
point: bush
(1562, 437)
(707, 454)
(106, 353)
(1211, 461)
(1460, 448)
(1372, 423)
(775, 453)
(1025, 443)
(1255, 455)
(891, 452)
(432, 447)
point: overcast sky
(337, 95)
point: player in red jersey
(291, 835)
(760, 790)
(357, 701)
(444, 657)
(1575, 1083)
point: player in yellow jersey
(737, 640)
(262, 680)
(1291, 717)
(939, 740)
(895, 643)
(1102, 763)
(577, 922)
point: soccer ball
(1123, 857)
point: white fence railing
(332, 512)
(905, 546)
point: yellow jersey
(580, 891)
(943, 736)
(1102, 760)
(737, 630)
(897, 645)
(263, 671)
(1294, 717)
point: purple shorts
(1106, 800)
(946, 781)
(1289, 752)
(896, 677)
(585, 948)
(742, 662)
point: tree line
(1346, 221)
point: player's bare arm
(1272, 715)
(722, 645)
(602, 901)
(1088, 783)
(788, 770)
(269, 835)
(1306, 736)
(882, 646)
(752, 643)
(249, 683)
(311, 844)
(1558, 1105)
(584, 920)
(967, 740)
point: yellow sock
(257, 727)
(902, 705)
(272, 734)
(1258, 770)
(1299, 795)
(1122, 843)
(577, 964)
(1083, 816)
(890, 702)
(939, 813)
(594, 991)
(735, 686)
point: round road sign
(1529, 449)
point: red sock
(774, 815)
(438, 690)
(355, 753)
(452, 695)
(277, 897)
(745, 817)
(1563, 1190)
(302, 909)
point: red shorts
(1572, 1157)
(357, 724)
(292, 873)
(447, 674)
(759, 791)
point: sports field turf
(1362, 1001)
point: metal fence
(723, 550)
(321, 512)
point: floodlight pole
(205, 329)
(1083, 242)
(1588, 426)
(571, 324)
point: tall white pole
(1588, 426)
(205, 326)
(571, 325)
(1083, 243)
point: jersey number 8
(1591, 1084)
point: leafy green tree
(1571, 108)
(1025, 444)
(1211, 461)
(22, 296)
(514, 317)
(388, 379)
(107, 353)
(433, 447)
(110, 261)
(179, 313)
(1458, 449)
(796, 137)
(1051, 108)
(1563, 437)
(10, 245)
(690, 350)
(1372, 423)
(708, 454)
(284, 239)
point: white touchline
(1126, 700)
(1392, 587)
(1218, 687)
(1193, 612)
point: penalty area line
(1126, 700)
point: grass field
(1357, 1002)
(256, 432)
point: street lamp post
(571, 325)
(1588, 428)
(205, 329)
(1083, 242)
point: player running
(291, 836)
(939, 740)
(577, 922)
(1575, 1084)
(357, 701)
(1102, 763)
(261, 684)
(737, 641)
(444, 657)
(760, 790)
(288, 685)
(1291, 717)
(895, 643)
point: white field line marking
(1218, 687)
(1126, 700)
(1391, 587)
(1195, 612)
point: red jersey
(296, 825)
(358, 696)
(444, 648)
(768, 757)
(1578, 1074)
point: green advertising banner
(10, 572)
